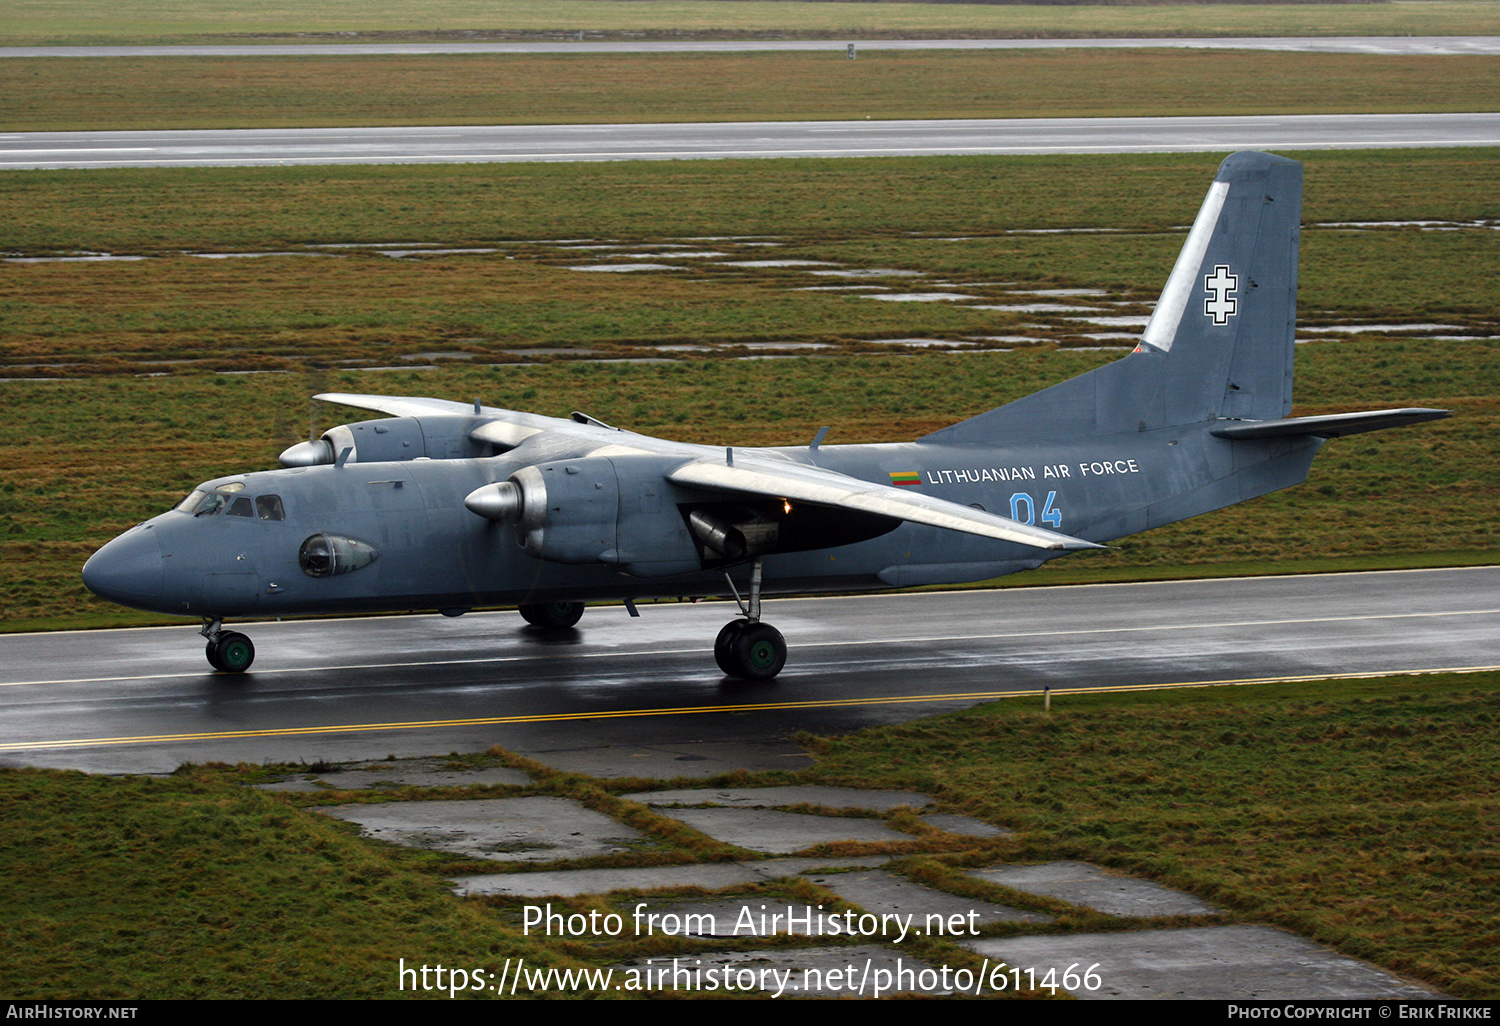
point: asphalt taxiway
(1404, 46)
(717, 141)
(622, 696)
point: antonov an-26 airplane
(446, 506)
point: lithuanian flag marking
(905, 477)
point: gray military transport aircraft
(442, 505)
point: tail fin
(1220, 342)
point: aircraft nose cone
(128, 570)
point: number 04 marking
(1051, 515)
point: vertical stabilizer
(1220, 342)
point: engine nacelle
(570, 510)
(617, 510)
(388, 440)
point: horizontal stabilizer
(829, 488)
(1333, 425)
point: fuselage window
(268, 507)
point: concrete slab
(685, 758)
(854, 971)
(1223, 963)
(1082, 884)
(772, 797)
(785, 832)
(883, 892)
(503, 829)
(965, 826)
(298, 786)
(420, 773)
(714, 876)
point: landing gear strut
(746, 647)
(227, 651)
(553, 615)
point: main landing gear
(227, 651)
(746, 647)
(553, 615)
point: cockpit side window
(208, 504)
(268, 507)
(190, 504)
(239, 507)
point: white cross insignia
(1219, 306)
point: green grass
(191, 886)
(160, 210)
(1360, 814)
(75, 94)
(30, 22)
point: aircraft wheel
(213, 658)
(724, 647)
(231, 652)
(552, 615)
(759, 651)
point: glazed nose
(128, 570)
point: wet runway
(714, 141)
(1405, 46)
(619, 696)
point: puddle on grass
(1061, 292)
(398, 253)
(1034, 308)
(1114, 322)
(871, 272)
(924, 297)
(784, 345)
(623, 268)
(251, 256)
(80, 258)
(1355, 329)
(1430, 226)
(779, 263)
(920, 343)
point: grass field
(76, 94)
(32, 22)
(1361, 815)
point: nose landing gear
(746, 647)
(227, 651)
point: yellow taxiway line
(611, 714)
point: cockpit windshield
(225, 498)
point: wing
(504, 429)
(797, 481)
(403, 405)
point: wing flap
(829, 488)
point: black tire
(232, 652)
(724, 647)
(553, 615)
(759, 652)
(213, 659)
